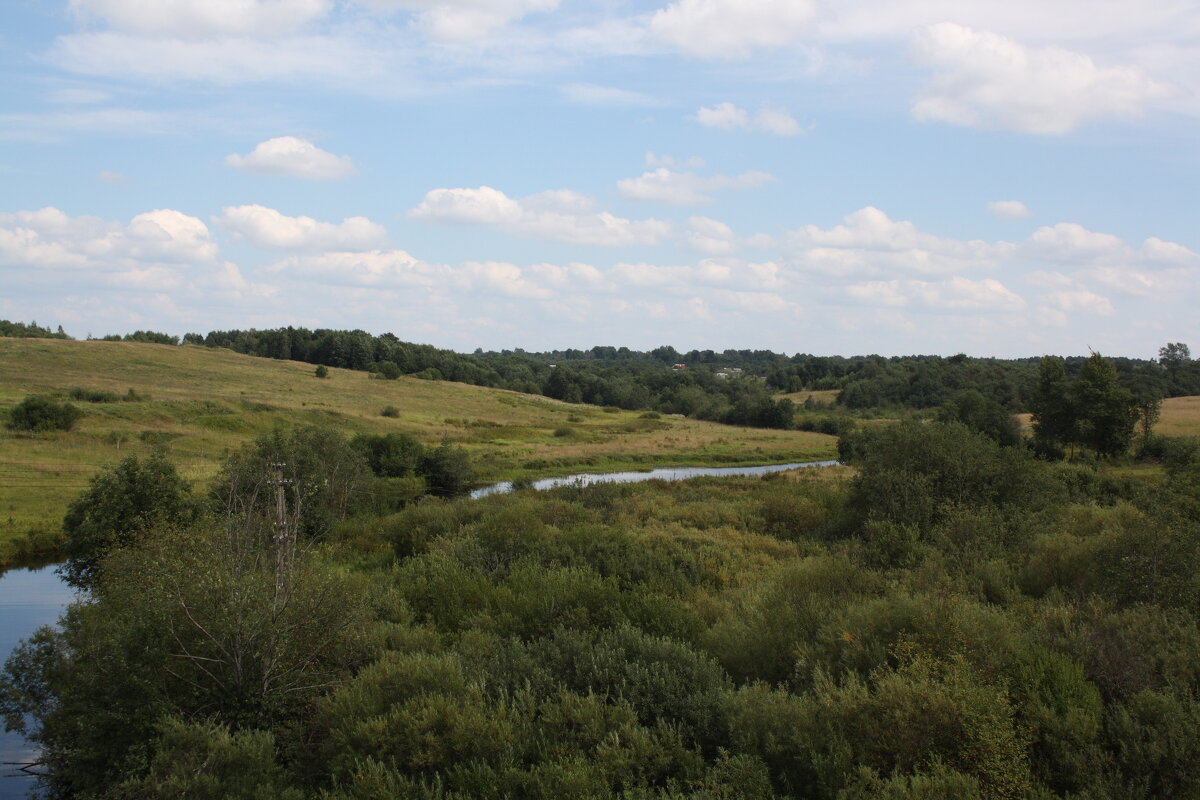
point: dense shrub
(119, 505)
(94, 395)
(39, 413)
(391, 455)
(447, 470)
(915, 473)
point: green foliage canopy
(39, 414)
(119, 505)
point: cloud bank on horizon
(910, 176)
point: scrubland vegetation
(947, 618)
(971, 607)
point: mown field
(201, 404)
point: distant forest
(733, 386)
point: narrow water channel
(661, 474)
(30, 597)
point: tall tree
(1174, 355)
(1107, 412)
(1053, 415)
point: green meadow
(201, 404)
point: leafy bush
(391, 455)
(94, 395)
(917, 473)
(389, 370)
(321, 371)
(207, 760)
(39, 413)
(119, 505)
(447, 470)
(390, 411)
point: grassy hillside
(203, 403)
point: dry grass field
(1180, 417)
(201, 404)
(822, 396)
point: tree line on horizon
(731, 386)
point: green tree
(1105, 410)
(120, 504)
(325, 478)
(192, 623)
(982, 415)
(1053, 414)
(321, 371)
(1174, 355)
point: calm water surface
(663, 474)
(29, 599)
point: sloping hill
(201, 403)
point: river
(30, 597)
(661, 474)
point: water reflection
(662, 474)
(30, 597)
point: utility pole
(283, 535)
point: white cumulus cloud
(1071, 243)
(957, 294)
(50, 238)
(158, 250)
(374, 268)
(192, 19)
(710, 236)
(729, 29)
(555, 216)
(270, 230)
(462, 20)
(337, 59)
(1009, 209)
(869, 242)
(292, 157)
(729, 117)
(987, 80)
(590, 94)
(665, 185)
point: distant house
(679, 366)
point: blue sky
(918, 176)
